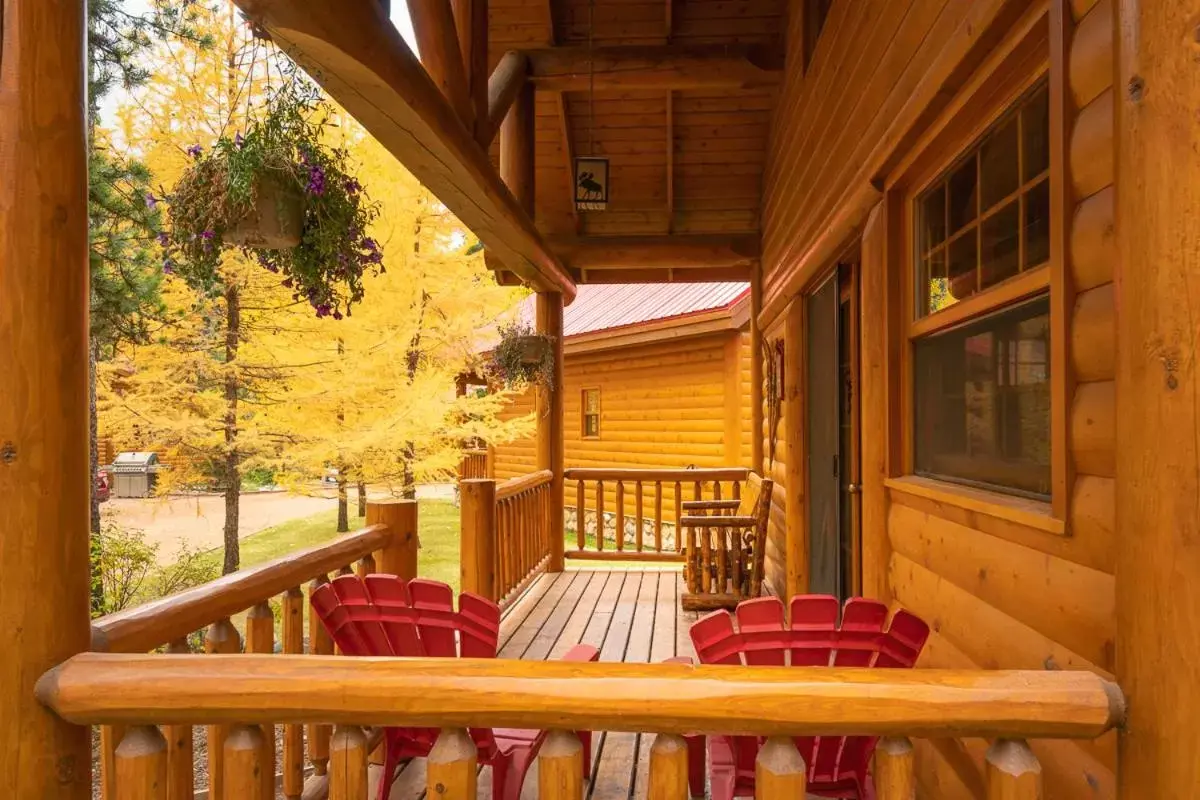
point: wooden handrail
(145, 627)
(650, 475)
(523, 483)
(102, 688)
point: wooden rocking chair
(725, 547)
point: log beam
(471, 21)
(664, 275)
(437, 39)
(681, 252)
(44, 479)
(358, 56)
(505, 83)
(661, 67)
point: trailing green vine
(522, 356)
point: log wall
(1004, 585)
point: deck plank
(581, 617)
(662, 647)
(532, 624)
(539, 649)
(515, 615)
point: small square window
(591, 413)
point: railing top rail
(523, 483)
(650, 475)
(100, 688)
(475, 451)
(136, 630)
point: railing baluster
(737, 490)
(560, 767)
(366, 566)
(619, 521)
(716, 490)
(140, 765)
(348, 764)
(319, 644)
(678, 515)
(668, 768)
(637, 514)
(895, 778)
(181, 776)
(779, 770)
(260, 638)
(451, 770)
(599, 516)
(345, 569)
(658, 493)
(580, 516)
(110, 740)
(1013, 771)
(222, 638)
(718, 536)
(244, 765)
(293, 735)
(706, 560)
(697, 491)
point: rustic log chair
(725, 546)
(866, 637)
(382, 615)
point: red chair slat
(715, 639)
(399, 619)
(436, 618)
(814, 619)
(763, 631)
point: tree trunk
(408, 489)
(97, 592)
(233, 472)
(343, 525)
(362, 499)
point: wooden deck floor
(630, 615)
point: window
(591, 413)
(983, 401)
(987, 219)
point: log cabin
(970, 229)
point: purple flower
(168, 267)
(207, 235)
(287, 283)
(238, 141)
(337, 315)
(195, 150)
(316, 180)
(370, 244)
(353, 186)
(151, 201)
(323, 310)
(163, 239)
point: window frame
(1026, 57)
(583, 413)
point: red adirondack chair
(382, 615)
(837, 765)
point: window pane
(1000, 245)
(1035, 131)
(962, 195)
(935, 288)
(963, 260)
(1037, 224)
(982, 398)
(998, 165)
(591, 425)
(933, 218)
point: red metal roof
(600, 307)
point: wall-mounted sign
(591, 184)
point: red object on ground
(837, 765)
(382, 615)
(103, 492)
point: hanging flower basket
(521, 357)
(274, 222)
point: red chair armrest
(582, 653)
(679, 660)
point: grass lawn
(438, 522)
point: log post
(1013, 771)
(551, 440)
(400, 556)
(320, 643)
(503, 86)
(293, 735)
(44, 479)
(141, 764)
(437, 41)
(243, 764)
(348, 764)
(668, 768)
(756, 372)
(181, 776)
(477, 555)
(452, 767)
(260, 638)
(779, 770)
(795, 449)
(895, 778)
(1158, 396)
(560, 767)
(221, 638)
(517, 149)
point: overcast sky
(115, 98)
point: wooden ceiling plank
(653, 67)
(358, 56)
(601, 253)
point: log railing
(505, 534)
(247, 693)
(630, 514)
(387, 544)
(474, 465)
